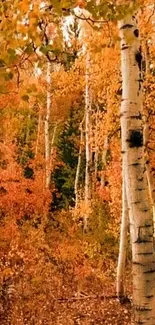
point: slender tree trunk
(95, 167)
(152, 195)
(28, 130)
(147, 58)
(146, 136)
(149, 177)
(76, 188)
(38, 134)
(120, 282)
(96, 153)
(83, 37)
(47, 136)
(87, 139)
(104, 157)
(52, 148)
(140, 212)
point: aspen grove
(77, 162)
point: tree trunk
(87, 140)
(47, 137)
(149, 176)
(52, 149)
(96, 152)
(152, 195)
(76, 189)
(38, 134)
(120, 281)
(146, 138)
(27, 137)
(147, 58)
(140, 213)
(104, 157)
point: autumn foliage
(45, 254)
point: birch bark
(120, 281)
(146, 139)
(104, 158)
(87, 140)
(76, 189)
(83, 37)
(38, 134)
(47, 133)
(149, 176)
(96, 152)
(140, 213)
(147, 58)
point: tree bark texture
(104, 159)
(87, 138)
(120, 281)
(47, 136)
(140, 212)
(76, 184)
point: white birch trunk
(95, 166)
(120, 281)
(38, 134)
(28, 130)
(140, 212)
(87, 140)
(147, 59)
(152, 195)
(52, 148)
(96, 154)
(47, 136)
(149, 177)
(146, 136)
(83, 36)
(76, 188)
(104, 156)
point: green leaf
(2, 63)
(32, 88)
(44, 49)
(29, 49)
(25, 98)
(57, 51)
(3, 89)
(11, 51)
(8, 76)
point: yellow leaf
(24, 6)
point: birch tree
(120, 281)
(87, 137)
(84, 36)
(146, 140)
(76, 184)
(140, 212)
(47, 136)
(104, 158)
(49, 143)
(148, 172)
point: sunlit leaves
(24, 6)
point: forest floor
(91, 311)
(98, 307)
(95, 303)
(50, 281)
